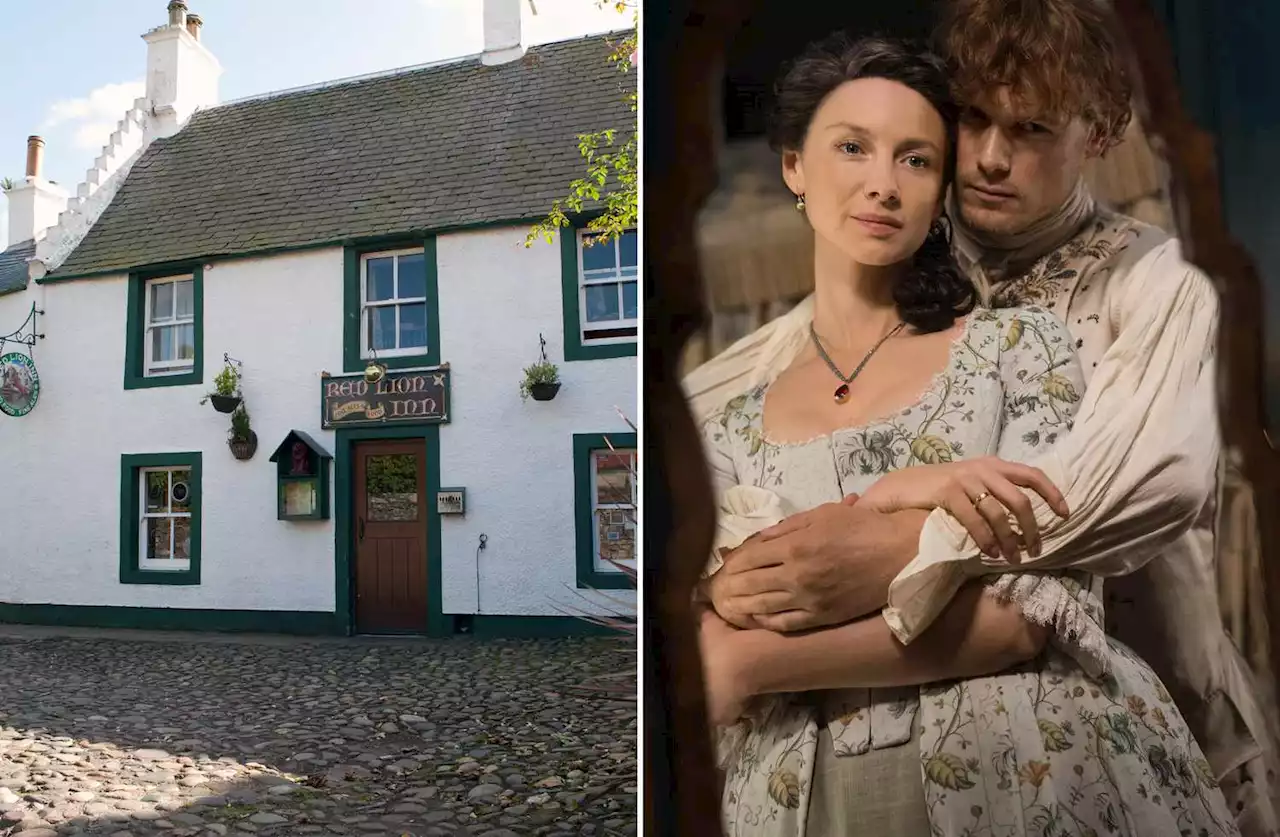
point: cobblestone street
(131, 736)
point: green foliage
(611, 156)
(7, 183)
(392, 474)
(240, 427)
(542, 372)
(227, 382)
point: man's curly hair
(1068, 57)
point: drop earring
(800, 203)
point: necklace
(842, 392)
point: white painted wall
(282, 316)
(182, 76)
(34, 206)
(515, 458)
(59, 522)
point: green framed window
(601, 290)
(605, 507)
(164, 343)
(391, 308)
(160, 512)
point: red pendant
(842, 393)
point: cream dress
(1083, 741)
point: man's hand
(821, 567)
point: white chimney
(34, 203)
(182, 75)
(502, 39)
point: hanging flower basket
(542, 379)
(544, 391)
(225, 403)
(242, 440)
(243, 449)
(226, 395)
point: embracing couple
(998, 395)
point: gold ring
(984, 495)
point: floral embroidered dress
(1082, 741)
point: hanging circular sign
(19, 384)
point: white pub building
(264, 369)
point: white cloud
(91, 119)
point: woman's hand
(724, 668)
(980, 493)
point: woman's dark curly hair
(934, 291)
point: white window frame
(616, 277)
(367, 353)
(176, 565)
(152, 368)
(597, 551)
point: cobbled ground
(188, 737)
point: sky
(69, 71)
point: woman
(1013, 714)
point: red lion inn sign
(413, 396)
(19, 384)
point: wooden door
(390, 531)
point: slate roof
(441, 146)
(13, 266)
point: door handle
(360, 530)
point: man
(1045, 86)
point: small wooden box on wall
(302, 478)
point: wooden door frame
(344, 511)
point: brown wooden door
(390, 537)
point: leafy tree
(611, 157)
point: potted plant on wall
(226, 395)
(542, 379)
(241, 439)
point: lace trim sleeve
(1064, 605)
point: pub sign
(19, 384)
(402, 396)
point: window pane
(182, 538)
(630, 301)
(299, 497)
(186, 299)
(628, 246)
(180, 491)
(157, 491)
(413, 277)
(380, 278)
(599, 255)
(161, 301)
(391, 485)
(186, 339)
(162, 343)
(613, 478)
(616, 538)
(158, 538)
(413, 325)
(602, 303)
(382, 327)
